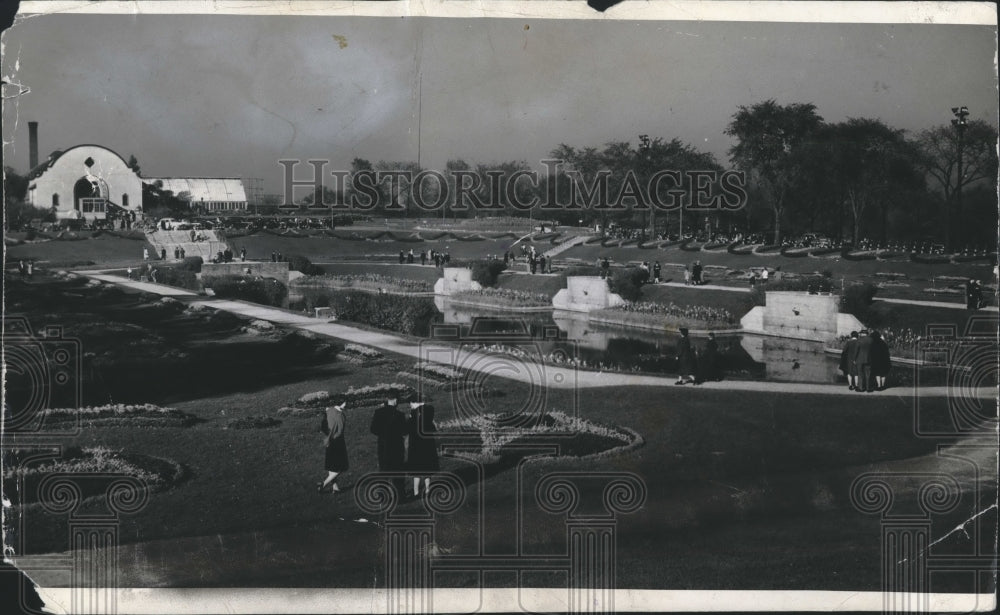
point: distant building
(89, 182)
(212, 194)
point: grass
(738, 484)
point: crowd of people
(439, 259)
(406, 445)
(865, 361)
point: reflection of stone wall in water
(791, 360)
(585, 293)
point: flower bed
(364, 355)
(118, 415)
(312, 404)
(503, 298)
(367, 281)
(504, 445)
(97, 467)
(661, 316)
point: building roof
(57, 154)
(203, 188)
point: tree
(939, 159)
(871, 162)
(768, 137)
(133, 163)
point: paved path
(149, 287)
(508, 367)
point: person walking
(763, 275)
(687, 275)
(847, 365)
(422, 456)
(708, 362)
(336, 447)
(145, 254)
(862, 361)
(390, 427)
(656, 272)
(423, 257)
(243, 254)
(881, 360)
(686, 363)
(696, 273)
(22, 269)
(605, 268)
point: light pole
(959, 123)
(644, 143)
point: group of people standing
(406, 444)
(865, 361)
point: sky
(207, 95)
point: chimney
(32, 145)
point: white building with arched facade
(93, 183)
(85, 182)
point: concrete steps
(207, 244)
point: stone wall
(455, 280)
(800, 315)
(585, 294)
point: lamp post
(644, 143)
(960, 122)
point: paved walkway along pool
(530, 373)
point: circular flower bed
(501, 443)
(97, 466)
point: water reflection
(622, 348)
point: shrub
(578, 270)
(628, 283)
(265, 291)
(297, 262)
(175, 276)
(402, 313)
(857, 299)
(190, 263)
(486, 272)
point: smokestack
(32, 145)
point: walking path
(550, 376)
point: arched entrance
(90, 195)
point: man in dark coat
(656, 272)
(862, 361)
(708, 362)
(847, 361)
(686, 363)
(390, 425)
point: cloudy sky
(231, 95)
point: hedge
(265, 291)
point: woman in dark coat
(336, 446)
(880, 360)
(686, 364)
(422, 458)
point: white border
(977, 13)
(235, 601)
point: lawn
(738, 484)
